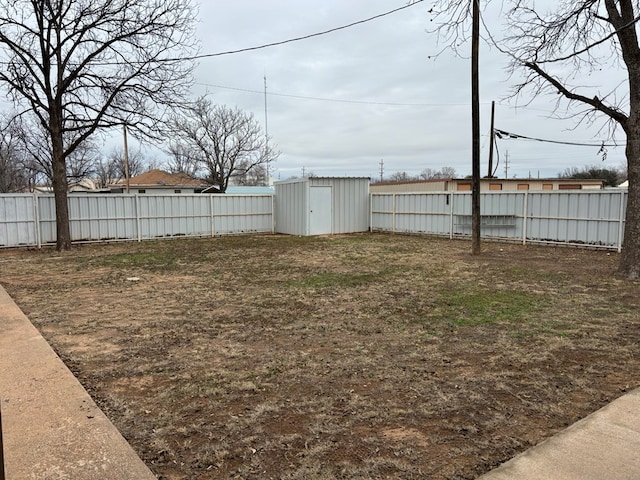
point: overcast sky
(339, 104)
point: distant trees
(218, 143)
(612, 177)
(110, 168)
(77, 67)
(426, 174)
(13, 174)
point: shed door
(320, 211)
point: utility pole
(381, 169)
(492, 139)
(303, 172)
(266, 127)
(475, 129)
(506, 164)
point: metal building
(322, 205)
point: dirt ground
(351, 357)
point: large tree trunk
(629, 266)
(60, 187)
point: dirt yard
(351, 357)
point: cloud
(383, 61)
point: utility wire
(266, 45)
(324, 99)
(502, 134)
(365, 102)
(297, 39)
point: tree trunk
(629, 266)
(60, 187)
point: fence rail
(30, 220)
(580, 218)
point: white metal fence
(30, 220)
(594, 218)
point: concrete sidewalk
(51, 427)
(603, 446)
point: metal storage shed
(322, 205)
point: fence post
(393, 214)
(452, 196)
(136, 207)
(273, 214)
(213, 217)
(36, 213)
(622, 217)
(525, 209)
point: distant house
(159, 182)
(486, 184)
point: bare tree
(256, 176)
(554, 48)
(444, 172)
(183, 159)
(83, 66)
(224, 142)
(13, 176)
(112, 168)
(401, 177)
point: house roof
(159, 178)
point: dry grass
(363, 356)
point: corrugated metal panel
(423, 213)
(577, 217)
(594, 218)
(17, 220)
(133, 217)
(382, 212)
(291, 205)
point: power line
(259, 47)
(297, 39)
(502, 134)
(325, 99)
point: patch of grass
(466, 305)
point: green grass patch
(470, 306)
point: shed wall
(291, 208)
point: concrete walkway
(603, 446)
(51, 427)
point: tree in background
(13, 175)
(611, 177)
(444, 172)
(426, 174)
(78, 67)
(219, 142)
(112, 168)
